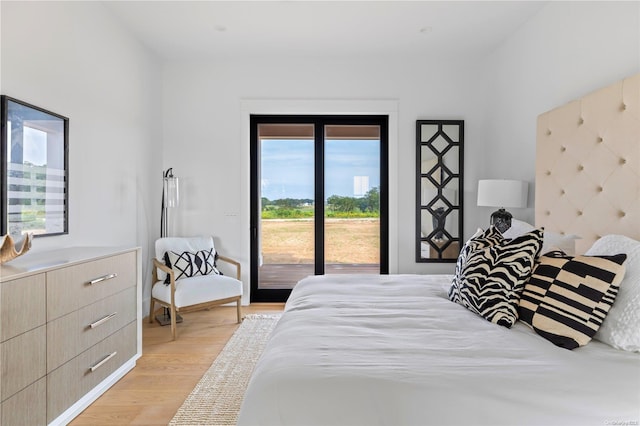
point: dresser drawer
(73, 333)
(23, 361)
(27, 407)
(73, 287)
(22, 305)
(74, 379)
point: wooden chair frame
(200, 306)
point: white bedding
(393, 350)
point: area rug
(216, 399)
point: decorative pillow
(491, 278)
(187, 264)
(567, 298)
(479, 240)
(518, 227)
(621, 326)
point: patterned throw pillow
(491, 278)
(188, 264)
(567, 298)
(478, 241)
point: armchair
(192, 281)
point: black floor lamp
(170, 199)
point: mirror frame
(448, 251)
(17, 111)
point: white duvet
(393, 350)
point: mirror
(35, 172)
(439, 190)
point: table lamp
(502, 193)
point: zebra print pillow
(567, 298)
(491, 278)
(480, 240)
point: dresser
(70, 327)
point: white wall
(74, 59)
(566, 51)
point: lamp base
(501, 219)
(165, 319)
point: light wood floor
(167, 372)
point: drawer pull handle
(102, 320)
(105, 359)
(102, 278)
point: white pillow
(621, 326)
(552, 240)
(517, 228)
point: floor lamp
(170, 200)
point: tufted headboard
(588, 165)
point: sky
(34, 145)
(288, 167)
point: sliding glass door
(352, 198)
(285, 227)
(318, 199)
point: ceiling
(197, 30)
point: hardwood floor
(167, 372)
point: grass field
(346, 241)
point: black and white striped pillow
(480, 240)
(187, 264)
(567, 298)
(491, 278)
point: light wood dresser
(70, 327)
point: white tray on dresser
(70, 328)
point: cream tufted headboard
(588, 165)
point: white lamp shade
(503, 193)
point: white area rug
(216, 399)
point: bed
(395, 350)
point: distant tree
(371, 201)
(288, 203)
(342, 204)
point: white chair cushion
(198, 289)
(180, 245)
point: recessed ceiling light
(426, 30)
